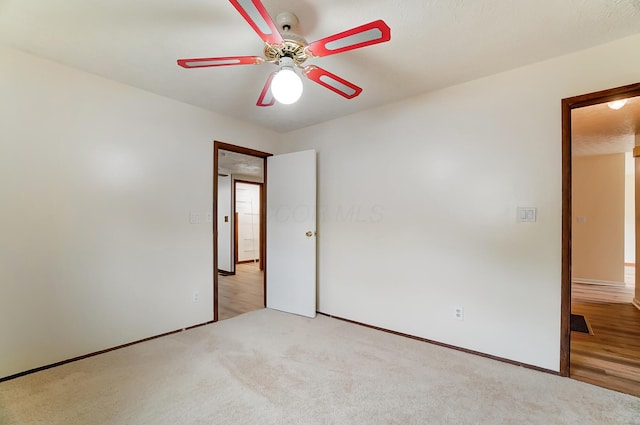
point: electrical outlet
(196, 296)
(458, 312)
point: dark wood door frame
(263, 214)
(235, 214)
(569, 104)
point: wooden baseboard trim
(441, 344)
(85, 356)
(636, 303)
(226, 273)
(248, 261)
(598, 282)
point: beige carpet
(268, 367)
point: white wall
(97, 180)
(598, 213)
(418, 206)
(636, 299)
(629, 209)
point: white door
(225, 220)
(248, 216)
(291, 233)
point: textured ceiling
(237, 163)
(434, 44)
(600, 130)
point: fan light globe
(617, 104)
(286, 86)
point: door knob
(309, 233)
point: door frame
(235, 215)
(263, 214)
(568, 105)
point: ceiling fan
(289, 51)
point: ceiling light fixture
(286, 85)
(617, 104)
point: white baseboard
(597, 282)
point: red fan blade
(257, 16)
(332, 81)
(266, 98)
(230, 60)
(365, 35)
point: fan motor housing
(290, 48)
(293, 45)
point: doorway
(242, 287)
(247, 222)
(607, 351)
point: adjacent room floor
(610, 357)
(242, 292)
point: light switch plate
(194, 217)
(527, 214)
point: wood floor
(242, 292)
(610, 357)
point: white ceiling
(434, 44)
